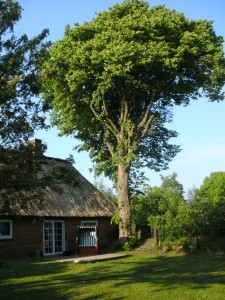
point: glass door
(54, 240)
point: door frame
(53, 222)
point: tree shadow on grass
(112, 279)
(43, 279)
(159, 273)
(197, 272)
(28, 279)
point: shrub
(131, 243)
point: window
(5, 229)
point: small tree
(113, 82)
(171, 217)
(208, 207)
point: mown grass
(139, 276)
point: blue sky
(201, 125)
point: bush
(184, 244)
(131, 243)
(212, 244)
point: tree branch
(109, 122)
(124, 110)
(110, 125)
(109, 146)
(145, 120)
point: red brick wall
(28, 235)
(27, 238)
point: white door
(54, 239)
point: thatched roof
(81, 199)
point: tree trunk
(123, 203)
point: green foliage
(164, 209)
(116, 218)
(185, 244)
(113, 83)
(131, 244)
(21, 111)
(141, 207)
(172, 223)
(104, 75)
(208, 207)
(19, 80)
(214, 244)
(213, 188)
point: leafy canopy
(208, 206)
(113, 82)
(213, 188)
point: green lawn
(139, 276)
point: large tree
(113, 82)
(21, 112)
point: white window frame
(89, 223)
(10, 235)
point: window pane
(5, 228)
(48, 229)
(58, 237)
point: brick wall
(28, 235)
(27, 238)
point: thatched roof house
(55, 224)
(81, 199)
